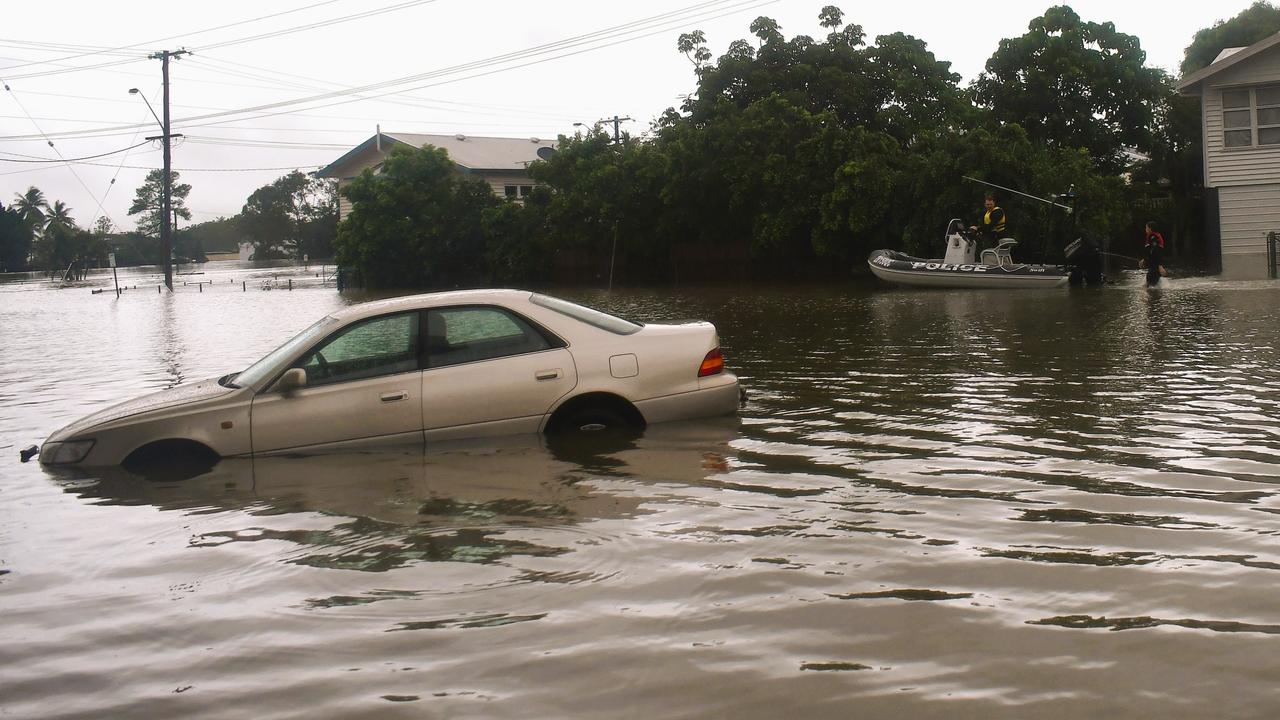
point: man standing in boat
(993, 221)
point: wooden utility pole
(616, 122)
(166, 202)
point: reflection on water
(935, 504)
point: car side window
(371, 348)
(467, 334)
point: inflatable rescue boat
(963, 267)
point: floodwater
(935, 504)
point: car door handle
(394, 396)
(546, 375)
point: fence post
(1271, 255)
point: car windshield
(595, 318)
(259, 370)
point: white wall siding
(1259, 69)
(344, 205)
(1247, 214)
(499, 181)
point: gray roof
(1225, 60)
(467, 151)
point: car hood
(173, 397)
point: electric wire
(320, 24)
(410, 101)
(171, 37)
(69, 165)
(180, 170)
(627, 32)
(751, 4)
(262, 36)
(78, 159)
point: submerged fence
(198, 279)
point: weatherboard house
(1240, 120)
(501, 162)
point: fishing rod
(1123, 257)
(1018, 192)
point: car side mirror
(291, 380)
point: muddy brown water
(935, 504)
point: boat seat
(1001, 255)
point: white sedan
(426, 367)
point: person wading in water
(1153, 250)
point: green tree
(62, 244)
(416, 224)
(293, 216)
(149, 198)
(220, 235)
(1258, 21)
(1075, 84)
(795, 154)
(15, 240)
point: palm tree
(31, 205)
(58, 216)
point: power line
(751, 4)
(179, 170)
(263, 36)
(86, 157)
(69, 165)
(322, 23)
(627, 32)
(165, 39)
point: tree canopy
(417, 223)
(1256, 22)
(149, 199)
(1075, 84)
(293, 216)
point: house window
(517, 192)
(1251, 117)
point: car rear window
(594, 318)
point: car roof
(429, 300)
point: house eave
(1190, 85)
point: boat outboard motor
(961, 248)
(1084, 261)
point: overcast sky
(566, 61)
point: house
(501, 162)
(1240, 122)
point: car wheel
(594, 420)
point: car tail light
(712, 364)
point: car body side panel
(518, 390)
(222, 425)
(667, 358)
(318, 416)
(719, 398)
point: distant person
(993, 221)
(1153, 252)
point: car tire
(594, 420)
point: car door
(364, 382)
(490, 371)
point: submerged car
(447, 365)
